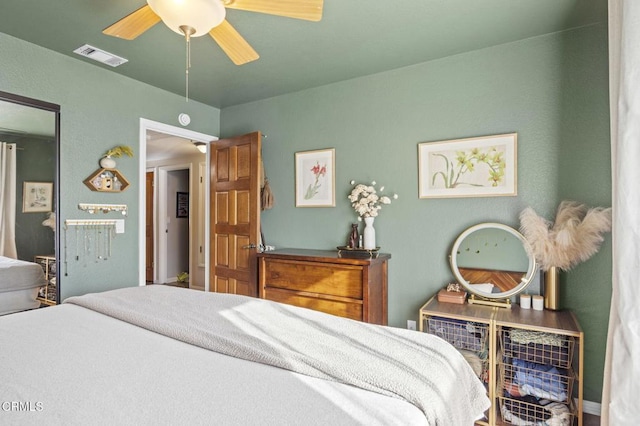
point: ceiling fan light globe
(201, 15)
(202, 147)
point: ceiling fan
(194, 18)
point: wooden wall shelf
(107, 180)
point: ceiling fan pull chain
(187, 31)
(186, 74)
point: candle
(525, 301)
(538, 303)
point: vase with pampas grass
(574, 237)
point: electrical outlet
(411, 325)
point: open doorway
(170, 247)
(174, 201)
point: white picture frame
(315, 178)
(37, 197)
(483, 166)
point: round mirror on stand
(492, 262)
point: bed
(166, 355)
(19, 285)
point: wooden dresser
(325, 281)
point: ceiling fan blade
(134, 24)
(310, 10)
(236, 47)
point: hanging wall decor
(182, 204)
(37, 197)
(107, 180)
(473, 167)
(315, 178)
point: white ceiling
(161, 146)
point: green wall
(551, 90)
(35, 162)
(99, 109)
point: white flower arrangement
(366, 201)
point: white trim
(146, 125)
(154, 278)
(207, 215)
(202, 207)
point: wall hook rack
(104, 208)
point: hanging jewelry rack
(104, 208)
(117, 223)
(93, 239)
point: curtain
(622, 369)
(8, 200)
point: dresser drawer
(341, 308)
(324, 280)
(329, 279)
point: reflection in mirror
(491, 261)
(29, 144)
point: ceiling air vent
(100, 55)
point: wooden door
(235, 214)
(149, 227)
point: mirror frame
(47, 106)
(531, 270)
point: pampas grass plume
(574, 237)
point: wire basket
(521, 378)
(48, 292)
(538, 347)
(517, 412)
(462, 334)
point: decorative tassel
(267, 198)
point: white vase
(369, 234)
(107, 163)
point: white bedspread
(417, 367)
(20, 275)
(66, 365)
(19, 284)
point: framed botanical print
(315, 178)
(474, 167)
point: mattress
(78, 366)
(19, 284)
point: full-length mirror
(29, 146)
(491, 260)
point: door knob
(250, 246)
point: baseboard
(590, 407)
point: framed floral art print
(315, 178)
(473, 167)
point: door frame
(145, 125)
(154, 220)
